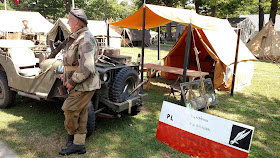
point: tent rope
(199, 69)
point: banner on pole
(200, 134)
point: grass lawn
(35, 128)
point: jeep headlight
(105, 77)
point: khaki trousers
(75, 109)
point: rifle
(56, 50)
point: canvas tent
(255, 20)
(11, 21)
(266, 44)
(219, 40)
(217, 54)
(135, 36)
(61, 30)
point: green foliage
(169, 3)
(54, 9)
(252, 6)
(49, 9)
(233, 8)
(95, 9)
(2, 6)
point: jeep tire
(91, 119)
(7, 96)
(124, 82)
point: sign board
(200, 134)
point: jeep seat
(25, 61)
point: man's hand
(69, 86)
(61, 77)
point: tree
(213, 4)
(51, 9)
(95, 9)
(169, 3)
(2, 6)
(197, 4)
(273, 10)
(67, 6)
(54, 9)
(261, 14)
(221, 8)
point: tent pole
(187, 56)
(108, 34)
(187, 52)
(235, 62)
(158, 44)
(143, 44)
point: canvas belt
(70, 68)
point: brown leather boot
(73, 149)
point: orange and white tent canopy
(160, 15)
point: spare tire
(124, 82)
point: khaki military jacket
(25, 31)
(79, 59)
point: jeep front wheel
(7, 96)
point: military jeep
(23, 74)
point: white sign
(201, 134)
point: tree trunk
(273, 10)
(197, 5)
(261, 15)
(67, 6)
(213, 11)
(168, 32)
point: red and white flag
(17, 1)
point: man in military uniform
(27, 32)
(80, 78)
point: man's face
(25, 23)
(73, 23)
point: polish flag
(17, 1)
